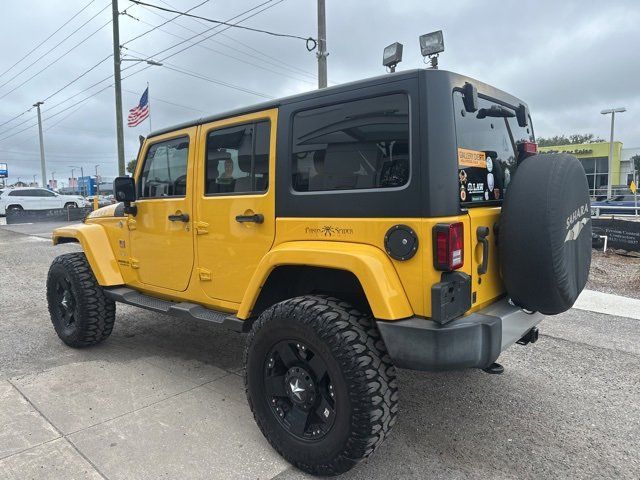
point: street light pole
(322, 45)
(117, 85)
(97, 181)
(613, 112)
(42, 162)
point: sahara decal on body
(574, 226)
(328, 231)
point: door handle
(179, 217)
(255, 218)
(482, 234)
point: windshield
(487, 149)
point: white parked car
(30, 198)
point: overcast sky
(567, 59)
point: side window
(354, 145)
(165, 169)
(237, 159)
(19, 193)
(44, 193)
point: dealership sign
(4, 173)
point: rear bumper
(474, 341)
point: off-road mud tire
(361, 370)
(94, 313)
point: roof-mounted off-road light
(432, 44)
(392, 56)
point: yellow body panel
(161, 250)
(370, 265)
(228, 252)
(95, 243)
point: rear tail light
(526, 149)
(448, 246)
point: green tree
(131, 166)
(635, 160)
(574, 139)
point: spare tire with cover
(545, 233)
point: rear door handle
(179, 217)
(255, 218)
(482, 234)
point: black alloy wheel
(299, 390)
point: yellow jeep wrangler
(399, 221)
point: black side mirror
(124, 189)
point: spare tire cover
(545, 233)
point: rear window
(487, 150)
(356, 145)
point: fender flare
(370, 265)
(95, 243)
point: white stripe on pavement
(609, 304)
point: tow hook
(530, 337)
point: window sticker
(471, 158)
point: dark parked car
(617, 201)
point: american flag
(138, 114)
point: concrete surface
(607, 303)
(162, 398)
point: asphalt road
(162, 398)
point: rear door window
(487, 150)
(356, 145)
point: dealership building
(595, 160)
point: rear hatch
(489, 140)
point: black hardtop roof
(342, 88)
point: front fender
(95, 244)
(370, 265)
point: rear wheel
(80, 312)
(320, 383)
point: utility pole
(34, 181)
(322, 45)
(42, 163)
(118, 88)
(613, 112)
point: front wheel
(69, 205)
(81, 313)
(320, 383)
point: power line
(55, 46)
(213, 80)
(310, 40)
(162, 24)
(79, 77)
(280, 63)
(46, 39)
(233, 57)
(55, 61)
(161, 100)
(148, 66)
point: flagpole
(149, 106)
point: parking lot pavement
(162, 398)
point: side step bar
(176, 309)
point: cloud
(567, 59)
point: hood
(115, 210)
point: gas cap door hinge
(202, 228)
